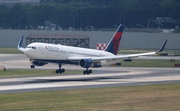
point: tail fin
(115, 41)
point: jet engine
(85, 63)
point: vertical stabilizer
(115, 41)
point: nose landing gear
(32, 66)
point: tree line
(87, 13)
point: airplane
(43, 53)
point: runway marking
(77, 80)
(51, 85)
(21, 79)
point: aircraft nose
(28, 52)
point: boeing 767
(44, 53)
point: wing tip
(163, 46)
(20, 44)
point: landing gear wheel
(87, 72)
(32, 66)
(57, 71)
(60, 70)
(63, 70)
(84, 72)
(90, 71)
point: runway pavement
(101, 77)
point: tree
(96, 13)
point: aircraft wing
(128, 56)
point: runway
(120, 77)
(101, 77)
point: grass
(17, 73)
(132, 98)
(32, 72)
(149, 63)
(10, 51)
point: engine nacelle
(38, 63)
(85, 63)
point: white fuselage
(44, 51)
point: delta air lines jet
(44, 53)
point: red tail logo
(115, 41)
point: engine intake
(85, 63)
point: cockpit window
(32, 47)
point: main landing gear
(87, 71)
(60, 70)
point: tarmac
(101, 77)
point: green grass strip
(133, 98)
(10, 51)
(150, 63)
(33, 72)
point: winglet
(20, 44)
(162, 47)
